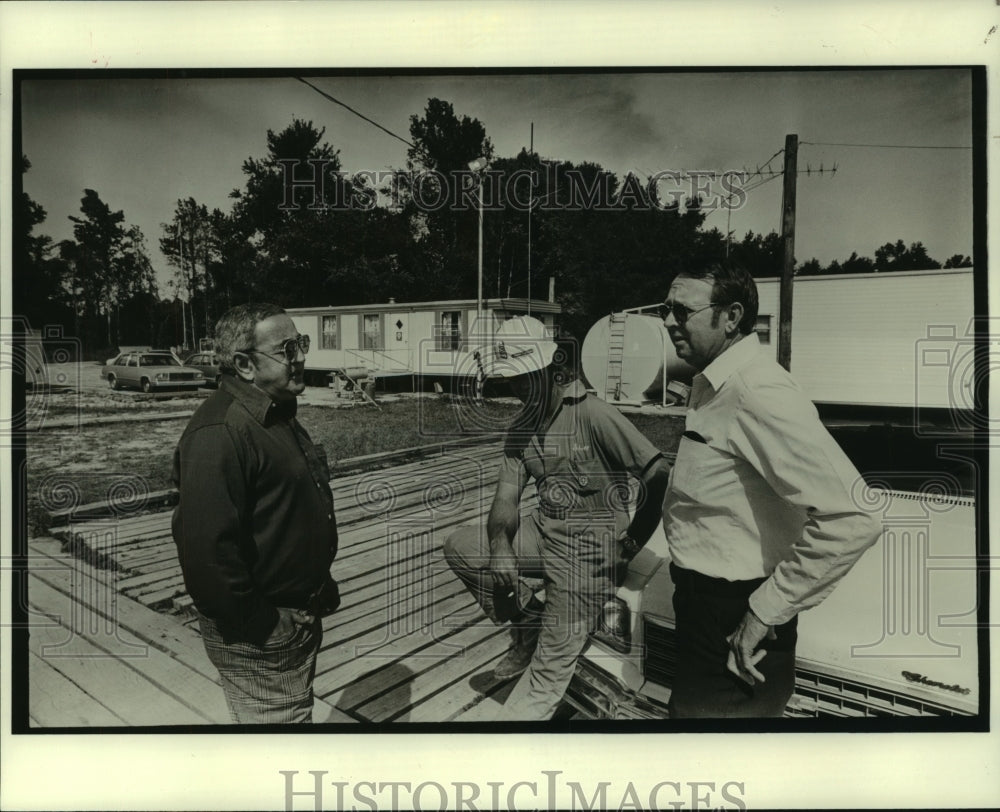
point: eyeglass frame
(666, 310)
(299, 342)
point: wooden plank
(448, 670)
(477, 699)
(70, 578)
(196, 691)
(482, 709)
(379, 596)
(343, 661)
(133, 696)
(376, 629)
(152, 533)
(343, 485)
(181, 642)
(155, 576)
(164, 595)
(172, 677)
(56, 701)
(399, 673)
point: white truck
(899, 635)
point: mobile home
(421, 339)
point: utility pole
(531, 194)
(788, 267)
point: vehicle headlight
(198, 375)
(162, 376)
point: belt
(553, 512)
(691, 579)
(590, 512)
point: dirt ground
(86, 443)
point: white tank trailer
(628, 357)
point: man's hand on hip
(743, 656)
(288, 619)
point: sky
(142, 148)
(143, 143)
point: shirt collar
(574, 390)
(733, 358)
(264, 410)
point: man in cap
(580, 452)
(255, 528)
(759, 516)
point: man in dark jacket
(255, 527)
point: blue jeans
(269, 683)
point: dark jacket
(255, 526)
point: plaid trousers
(269, 683)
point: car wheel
(113, 382)
(146, 386)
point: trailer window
(449, 332)
(764, 329)
(330, 333)
(372, 337)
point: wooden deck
(114, 641)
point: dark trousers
(706, 611)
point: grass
(663, 431)
(84, 465)
(90, 463)
(363, 430)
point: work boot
(525, 638)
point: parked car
(208, 364)
(150, 371)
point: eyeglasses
(681, 312)
(289, 348)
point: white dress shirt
(761, 490)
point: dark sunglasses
(289, 348)
(681, 312)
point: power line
(359, 115)
(879, 146)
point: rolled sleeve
(623, 446)
(778, 431)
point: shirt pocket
(701, 473)
(573, 484)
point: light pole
(479, 166)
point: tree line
(302, 232)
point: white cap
(520, 345)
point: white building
(426, 339)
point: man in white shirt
(759, 515)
